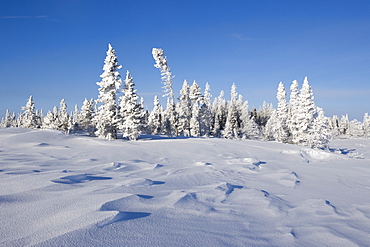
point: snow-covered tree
(63, 119)
(155, 120)
(232, 121)
(171, 117)
(50, 120)
(162, 64)
(205, 117)
(86, 116)
(293, 110)
(249, 128)
(263, 114)
(76, 119)
(194, 121)
(184, 110)
(344, 125)
(131, 110)
(277, 126)
(320, 135)
(366, 125)
(305, 115)
(219, 107)
(28, 118)
(334, 126)
(171, 121)
(355, 129)
(106, 117)
(195, 96)
(8, 120)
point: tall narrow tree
(292, 111)
(106, 118)
(171, 114)
(205, 117)
(277, 127)
(162, 64)
(195, 97)
(184, 110)
(233, 118)
(366, 125)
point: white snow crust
(75, 190)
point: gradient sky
(55, 49)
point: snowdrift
(69, 190)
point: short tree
(8, 121)
(28, 118)
(155, 121)
(86, 116)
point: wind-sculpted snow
(68, 190)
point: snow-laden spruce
(171, 116)
(106, 119)
(28, 118)
(155, 120)
(9, 120)
(131, 111)
(184, 109)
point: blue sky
(55, 49)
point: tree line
(119, 111)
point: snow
(75, 190)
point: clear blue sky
(55, 49)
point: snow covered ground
(70, 190)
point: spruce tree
(86, 116)
(334, 126)
(249, 128)
(9, 120)
(280, 131)
(344, 125)
(205, 115)
(292, 111)
(155, 120)
(366, 125)
(131, 110)
(171, 120)
(28, 119)
(305, 115)
(76, 119)
(320, 135)
(232, 121)
(184, 110)
(106, 118)
(195, 96)
(63, 118)
(219, 107)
